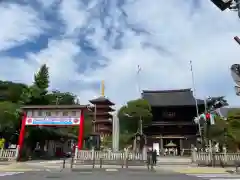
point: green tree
(10, 91)
(62, 98)
(135, 114)
(226, 131)
(41, 78)
(125, 139)
(233, 122)
(36, 93)
(9, 119)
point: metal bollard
(64, 163)
(127, 163)
(101, 162)
(72, 161)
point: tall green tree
(41, 78)
(36, 93)
(135, 114)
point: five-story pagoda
(102, 119)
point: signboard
(52, 121)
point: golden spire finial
(102, 88)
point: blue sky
(84, 42)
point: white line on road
(215, 175)
(86, 172)
(111, 170)
(9, 173)
(224, 179)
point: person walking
(154, 157)
(149, 158)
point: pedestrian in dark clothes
(154, 157)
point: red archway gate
(55, 116)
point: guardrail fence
(93, 158)
(215, 159)
(8, 154)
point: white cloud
(48, 4)
(74, 16)
(204, 36)
(18, 25)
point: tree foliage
(233, 123)
(41, 79)
(227, 131)
(214, 103)
(9, 119)
(129, 116)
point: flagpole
(138, 79)
(194, 94)
(194, 89)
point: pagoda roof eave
(102, 99)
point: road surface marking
(224, 179)
(111, 170)
(216, 176)
(9, 173)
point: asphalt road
(107, 174)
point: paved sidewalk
(16, 166)
(196, 170)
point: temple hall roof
(180, 97)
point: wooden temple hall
(172, 127)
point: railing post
(194, 155)
(101, 162)
(72, 161)
(93, 158)
(92, 154)
(126, 157)
(17, 152)
(225, 154)
(1, 153)
(76, 153)
(64, 162)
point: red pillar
(21, 135)
(81, 129)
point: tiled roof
(181, 97)
(102, 99)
